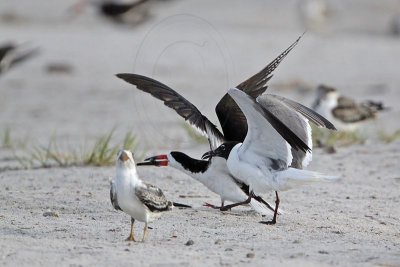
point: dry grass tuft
(102, 153)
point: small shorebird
(211, 173)
(11, 55)
(262, 161)
(143, 202)
(344, 112)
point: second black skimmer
(262, 161)
(344, 112)
(143, 202)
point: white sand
(200, 49)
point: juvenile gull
(344, 112)
(143, 202)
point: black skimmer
(212, 173)
(11, 55)
(262, 161)
(344, 112)
(143, 202)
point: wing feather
(232, 120)
(308, 113)
(153, 198)
(11, 55)
(353, 114)
(286, 112)
(178, 103)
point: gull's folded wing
(153, 198)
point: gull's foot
(208, 205)
(130, 238)
(272, 222)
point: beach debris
(50, 213)
(218, 242)
(250, 255)
(59, 68)
(190, 242)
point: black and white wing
(153, 198)
(287, 111)
(232, 120)
(268, 137)
(296, 117)
(308, 113)
(113, 195)
(178, 103)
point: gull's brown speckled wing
(153, 198)
(349, 111)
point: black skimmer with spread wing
(263, 159)
(213, 174)
(141, 201)
(344, 112)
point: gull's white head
(125, 159)
(327, 99)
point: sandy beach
(63, 216)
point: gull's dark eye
(223, 147)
